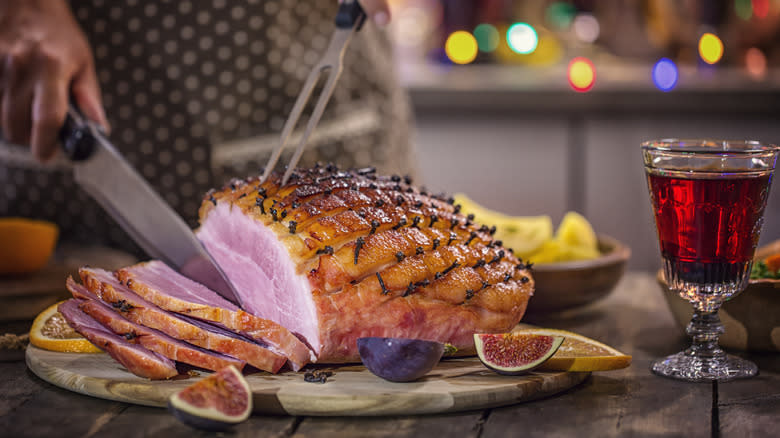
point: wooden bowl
(566, 285)
(751, 319)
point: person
(193, 93)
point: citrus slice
(574, 230)
(580, 353)
(50, 331)
(27, 244)
(524, 234)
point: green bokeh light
(487, 37)
(561, 14)
(743, 8)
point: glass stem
(705, 328)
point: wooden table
(630, 402)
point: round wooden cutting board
(454, 385)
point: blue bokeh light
(665, 74)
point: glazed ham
(318, 263)
(338, 255)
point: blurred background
(538, 107)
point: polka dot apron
(197, 91)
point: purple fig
(214, 403)
(515, 353)
(398, 359)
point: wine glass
(708, 197)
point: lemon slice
(50, 331)
(575, 231)
(580, 353)
(524, 234)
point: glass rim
(710, 146)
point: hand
(377, 10)
(43, 56)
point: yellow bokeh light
(461, 47)
(710, 48)
(582, 74)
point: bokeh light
(710, 48)
(522, 38)
(665, 74)
(755, 63)
(586, 28)
(743, 9)
(461, 47)
(487, 37)
(548, 52)
(760, 8)
(582, 74)
(560, 15)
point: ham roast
(338, 255)
(330, 257)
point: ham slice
(157, 283)
(338, 255)
(137, 359)
(131, 306)
(150, 339)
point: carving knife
(101, 171)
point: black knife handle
(349, 14)
(77, 137)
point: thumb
(86, 92)
(377, 10)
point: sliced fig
(399, 359)
(515, 353)
(214, 403)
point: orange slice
(580, 353)
(50, 331)
(26, 244)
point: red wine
(708, 228)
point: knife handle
(77, 136)
(349, 15)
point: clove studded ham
(328, 258)
(338, 255)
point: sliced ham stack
(328, 258)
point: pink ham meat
(337, 255)
(136, 309)
(137, 359)
(150, 339)
(159, 284)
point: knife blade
(101, 171)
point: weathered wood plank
(55, 412)
(631, 402)
(751, 407)
(456, 425)
(141, 421)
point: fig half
(399, 359)
(214, 403)
(515, 353)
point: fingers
(17, 96)
(377, 10)
(86, 92)
(50, 103)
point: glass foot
(686, 366)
